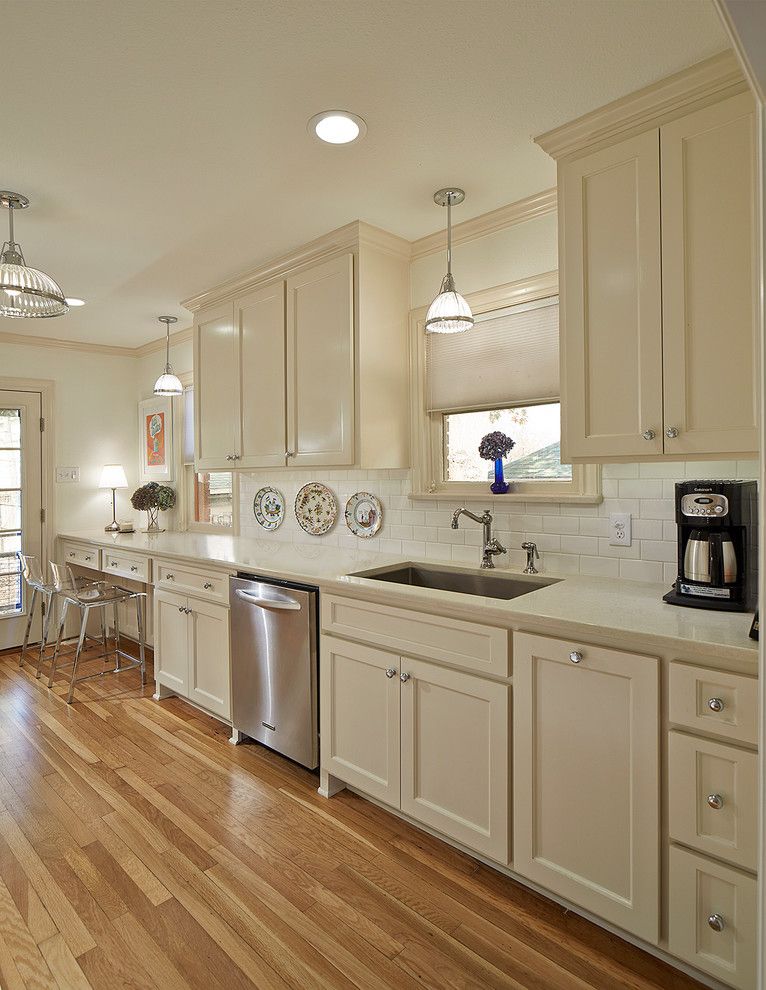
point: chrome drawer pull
(575, 656)
(390, 672)
(715, 801)
(715, 705)
(716, 922)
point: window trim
(186, 472)
(426, 429)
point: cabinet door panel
(320, 364)
(216, 388)
(359, 717)
(260, 321)
(586, 778)
(708, 266)
(171, 641)
(611, 331)
(455, 755)
(209, 676)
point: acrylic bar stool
(99, 595)
(32, 573)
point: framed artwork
(155, 427)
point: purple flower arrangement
(494, 447)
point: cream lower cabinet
(586, 778)
(192, 650)
(424, 738)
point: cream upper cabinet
(708, 279)
(320, 364)
(304, 362)
(217, 426)
(586, 778)
(259, 318)
(657, 279)
(611, 318)
(454, 769)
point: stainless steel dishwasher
(274, 665)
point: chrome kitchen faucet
(491, 546)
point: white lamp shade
(168, 384)
(448, 313)
(113, 476)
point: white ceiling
(163, 142)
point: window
(209, 495)
(501, 375)
(10, 511)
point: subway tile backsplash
(572, 539)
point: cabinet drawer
(712, 795)
(202, 583)
(82, 554)
(714, 701)
(702, 892)
(122, 563)
(464, 644)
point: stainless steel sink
(487, 584)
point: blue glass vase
(499, 486)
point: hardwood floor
(139, 849)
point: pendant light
(167, 383)
(449, 312)
(25, 292)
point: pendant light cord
(449, 233)
(167, 348)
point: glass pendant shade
(168, 383)
(449, 312)
(25, 292)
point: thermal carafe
(710, 558)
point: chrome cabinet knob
(71, 553)
(671, 433)
(170, 577)
(133, 567)
(390, 672)
(715, 801)
(87, 557)
(180, 608)
(575, 656)
(404, 678)
(289, 453)
(207, 586)
(648, 434)
(715, 704)
(230, 457)
(716, 922)
(188, 611)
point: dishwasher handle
(285, 604)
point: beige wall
(95, 423)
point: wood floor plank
(138, 849)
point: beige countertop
(627, 614)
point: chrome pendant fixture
(449, 312)
(168, 383)
(25, 292)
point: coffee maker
(717, 545)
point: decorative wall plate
(269, 507)
(364, 514)
(316, 508)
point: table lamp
(113, 476)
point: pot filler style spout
(717, 545)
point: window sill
(461, 495)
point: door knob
(575, 656)
(404, 678)
(648, 434)
(390, 672)
(716, 922)
(715, 801)
(715, 705)
(671, 433)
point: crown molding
(69, 345)
(179, 337)
(693, 87)
(537, 205)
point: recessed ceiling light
(337, 127)
(74, 301)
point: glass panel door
(20, 507)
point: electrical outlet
(619, 529)
(67, 475)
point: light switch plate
(67, 475)
(620, 529)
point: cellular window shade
(509, 358)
